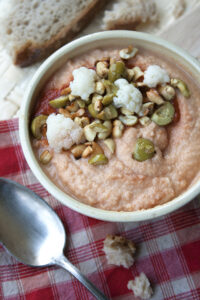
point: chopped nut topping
(45, 157)
(73, 107)
(140, 97)
(89, 133)
(78, 150)
(110, 143)
(99, 88)
(102, 69)
(97, 148)
(65, 112)
(87, 151)
(125, 111)
(147, 108)
(79, 113)
(66, 91)
(97, 101)
(82, 122)
(107, 99)
(154, 97)
(72, 97)
(104, 135)
(130, 74)
(182, 86)
(167, 91)
(128, 120)
(137, 73)
(140, 85)
(117, 129)
(145, 121)
(98, 159)
(128, 52)
(59, 102)
(112, 60)
(37, 124)
(81, 103)
(98, 127)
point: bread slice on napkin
(127, 14)
(33, 29)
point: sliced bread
(33, 29)
(127, 14)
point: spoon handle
(67, 265)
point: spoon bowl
(32, 232)
(29, 228)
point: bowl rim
(100, 214)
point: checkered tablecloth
(168, 248)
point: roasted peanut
(137, 73)
(73, 107)
(154, 97)
(87, 151)
(145, 121)
(118, 128)
(128, 53)
(99, 88)
(45, 157)
(128, 120)
(77, 150)
(102, 69)
(167, 91)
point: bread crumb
(141, 286)
(178, 8)
(127, 14)
(119, 251)
(62, 132)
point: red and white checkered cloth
(168, 248)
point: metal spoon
(32, 231)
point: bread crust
(31, 52)
(121, 24)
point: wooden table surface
(184, 32)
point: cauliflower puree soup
(119, 129)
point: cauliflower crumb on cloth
(119, 251)
(62, 132)
(155, 75)
(141, 286)
(127, 96)
(84, 82)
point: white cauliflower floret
(84, 83)
(127, 96)
(119, 251)
(62, 132)
(155, 75)
(141, 286)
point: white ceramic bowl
(102, 39)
